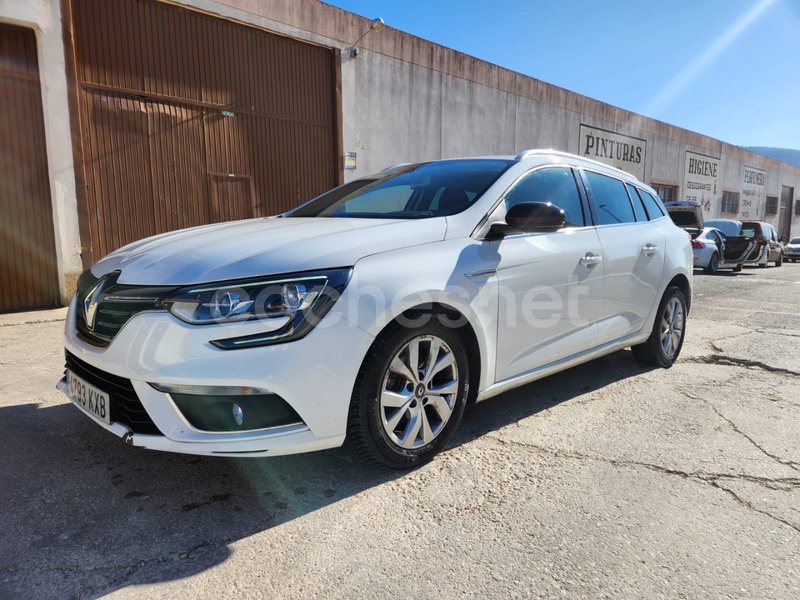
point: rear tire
(664, 345)
(779, 262)
(409, 395)
(713, 264)
(738, 268)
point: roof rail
(549, 151)
(395, 166)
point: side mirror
(529, 217)
(782, 239)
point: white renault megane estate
(376, 312)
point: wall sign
(350, 161)
(752, 204)
(620, 151)
(700, 181)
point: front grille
(126, 408)
(116, 305)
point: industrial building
(129, 118)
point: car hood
(257, 247)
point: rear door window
(610, 199)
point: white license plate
(88, 398)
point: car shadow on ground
(723, 273)
(528, 400)
(84, 514)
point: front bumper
(314, 375)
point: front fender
(386, 285)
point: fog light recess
(230, 409)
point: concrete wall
(397, 111)
(403, 99)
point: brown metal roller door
(28, 272)
(188, 119)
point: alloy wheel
(419, 392)
(672, 324)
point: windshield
(795, 241)
(414, 191)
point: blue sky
(725, 68)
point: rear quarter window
(654, 208)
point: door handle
(590, 260)
(649, 250)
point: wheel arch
(459, 321)
(682, 283)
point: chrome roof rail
(394, 166)
(550, 152)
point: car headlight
(301, 300)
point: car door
(550, 284)
(774, 245)
(718, 242)
(633, 255)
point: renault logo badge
(90, 304)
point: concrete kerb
(38, 316)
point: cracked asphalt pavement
(604, 481)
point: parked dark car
(770, 244)
(753, 231)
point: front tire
(409, 395)
(713, 264)
(664, 345)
